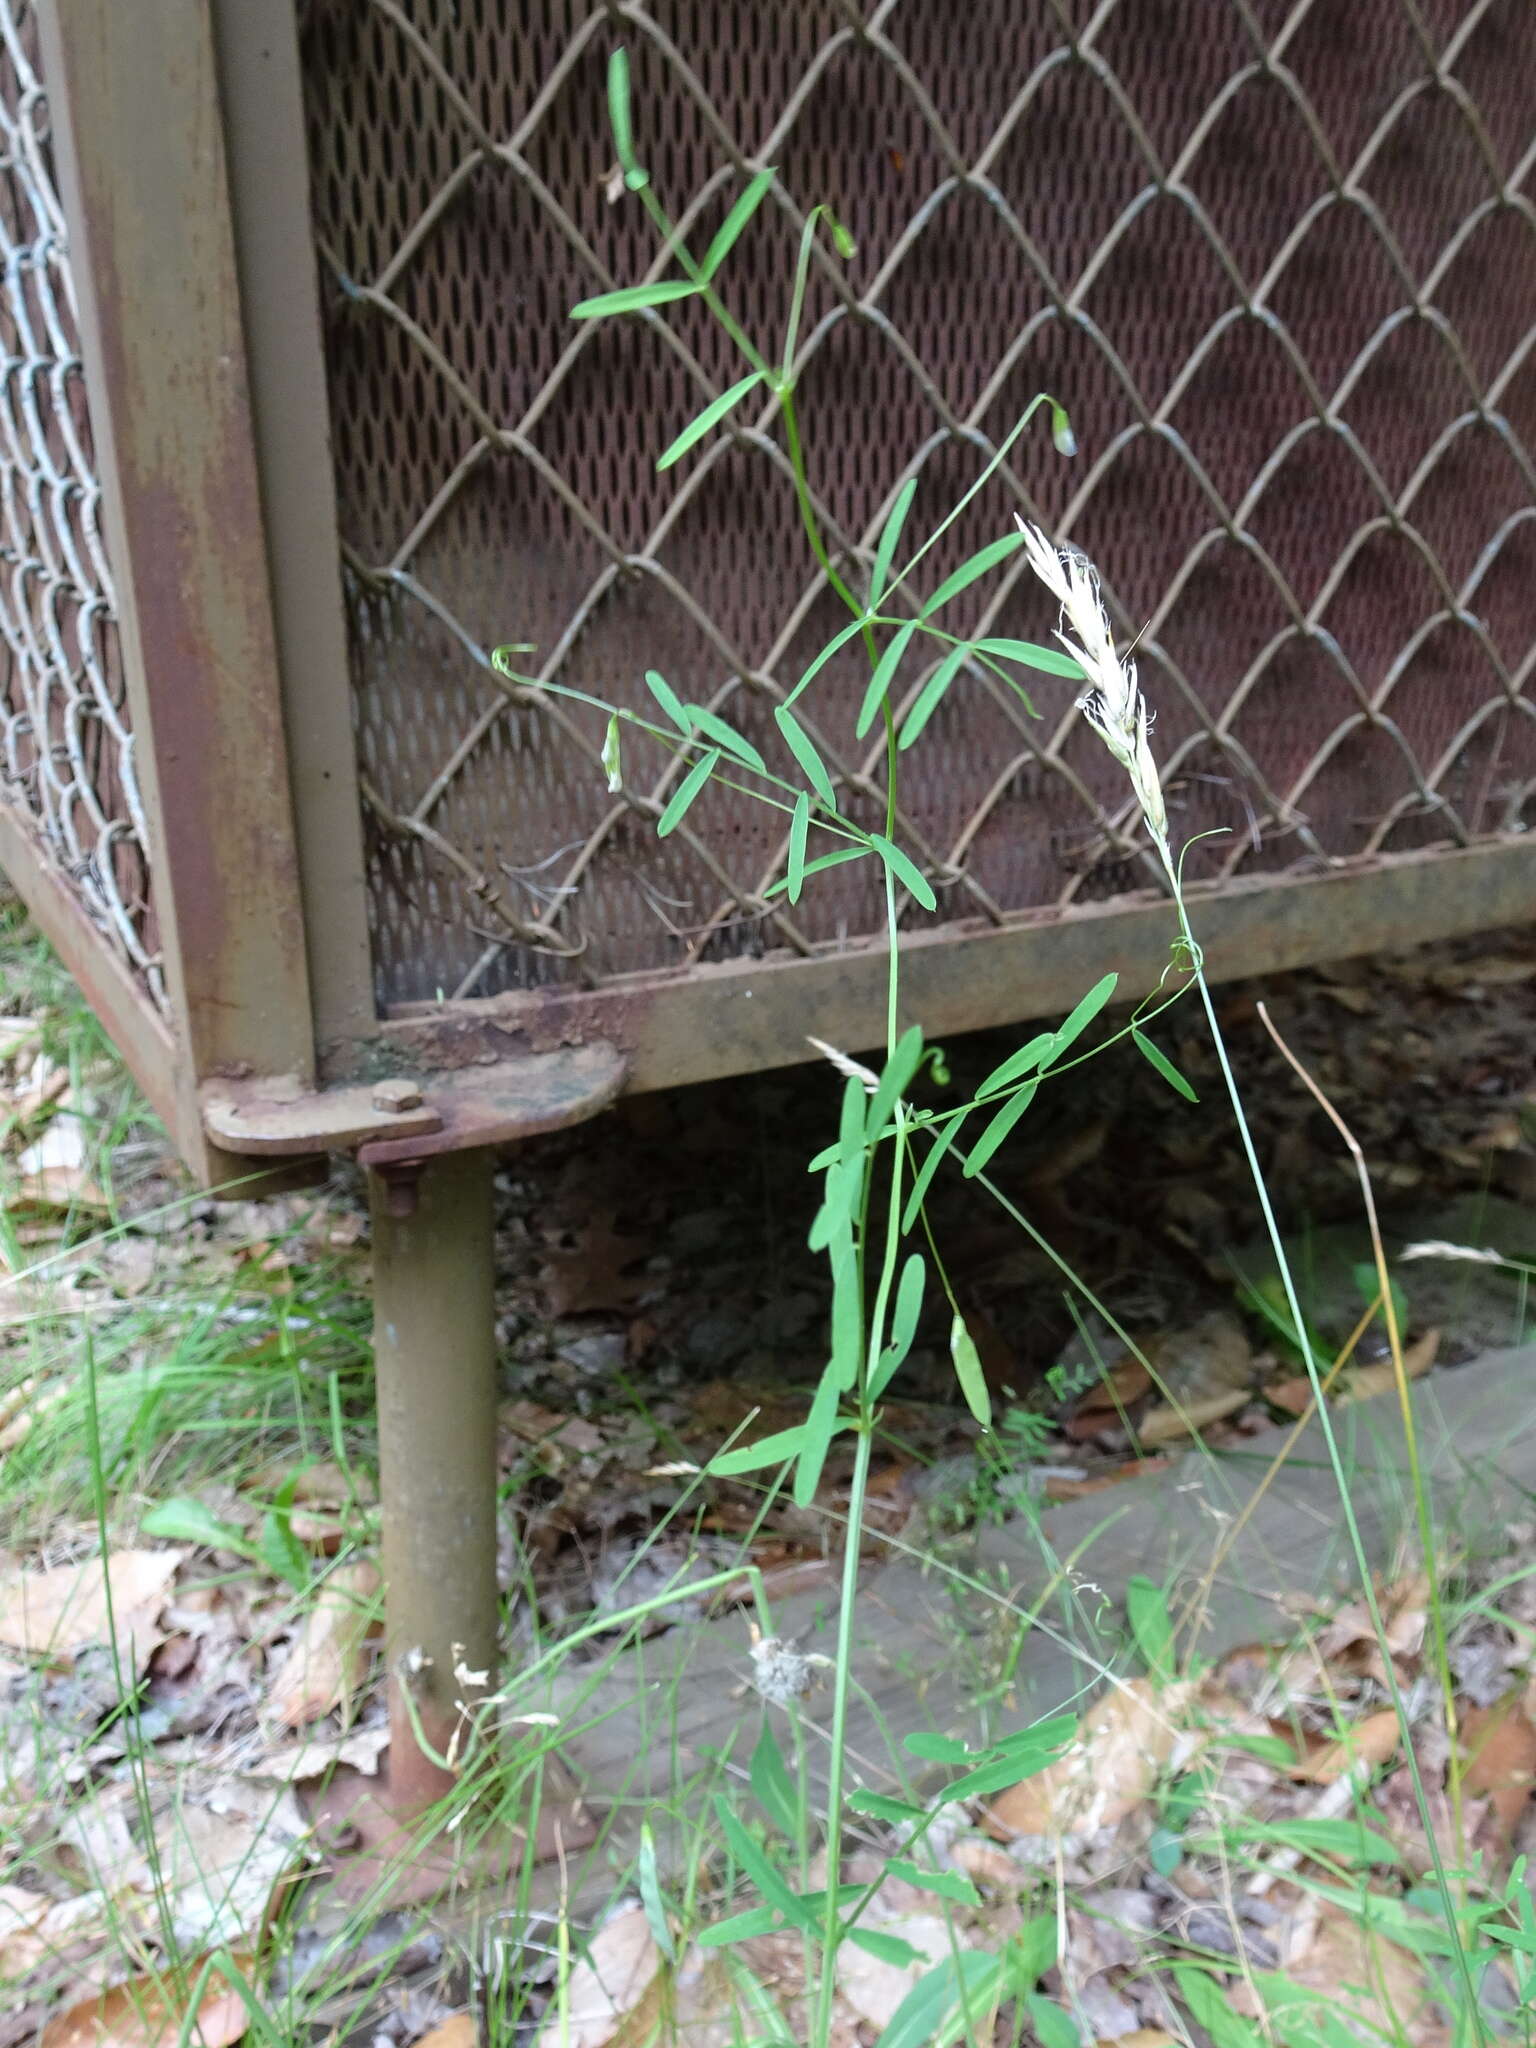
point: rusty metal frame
(160, 318)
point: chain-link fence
(1278, 257)
(66, 746)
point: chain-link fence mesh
(66, 746)
(1278, 257)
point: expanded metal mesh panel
(1277, 258)
(66, 745)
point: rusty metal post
(435, 1364)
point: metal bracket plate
(457, 1111)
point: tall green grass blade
(711, 416)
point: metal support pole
(435, 1364)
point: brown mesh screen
(1278, 259)
(66, 747)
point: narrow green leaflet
(998, 1130)
(936, 1749)
(1054, 2027)
(890, 534)
(1161, 1064)
(998, 1776)
(798, 741)
(814, 867)
(847, 1311)
(879, 1806)
(967, 1363)
(909, 1303)
(886, 1948)
(1348, 1842)
(1077, 1023)
(1018, 1064)
(281, 1551)
(618, 110)
(958, 1992)
(817, 1431)
(686, 791)
(741, 1927)
(729, 231)
(799, 830)
(711, 416)
(884, 673)
(949, 1884)
(651, 1900)
(777, 1449)
(931, 694)
(819, 661)
(930, 1167)
(1146, 1609)
(635, 298)
(775, 1891)
(668, 699)
(1210, 2007)
(894, 1080)
(772, 1786)
(1050, 660)
(905, 869)
(725, 737)
(972, 571)
(184, 1520)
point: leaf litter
(615, 1265)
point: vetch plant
(873, 1223)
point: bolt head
(397, 1095)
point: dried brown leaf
(145, 2013)
(874, 1989)
(1381, 1378)
(327, 1661)
(457, 2031)
(1377, 1989)
(1166, 1422)
(52, 1613)
(1126, 1738)
(1499, 1743)
(609, 1981)
(1367, 1745)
